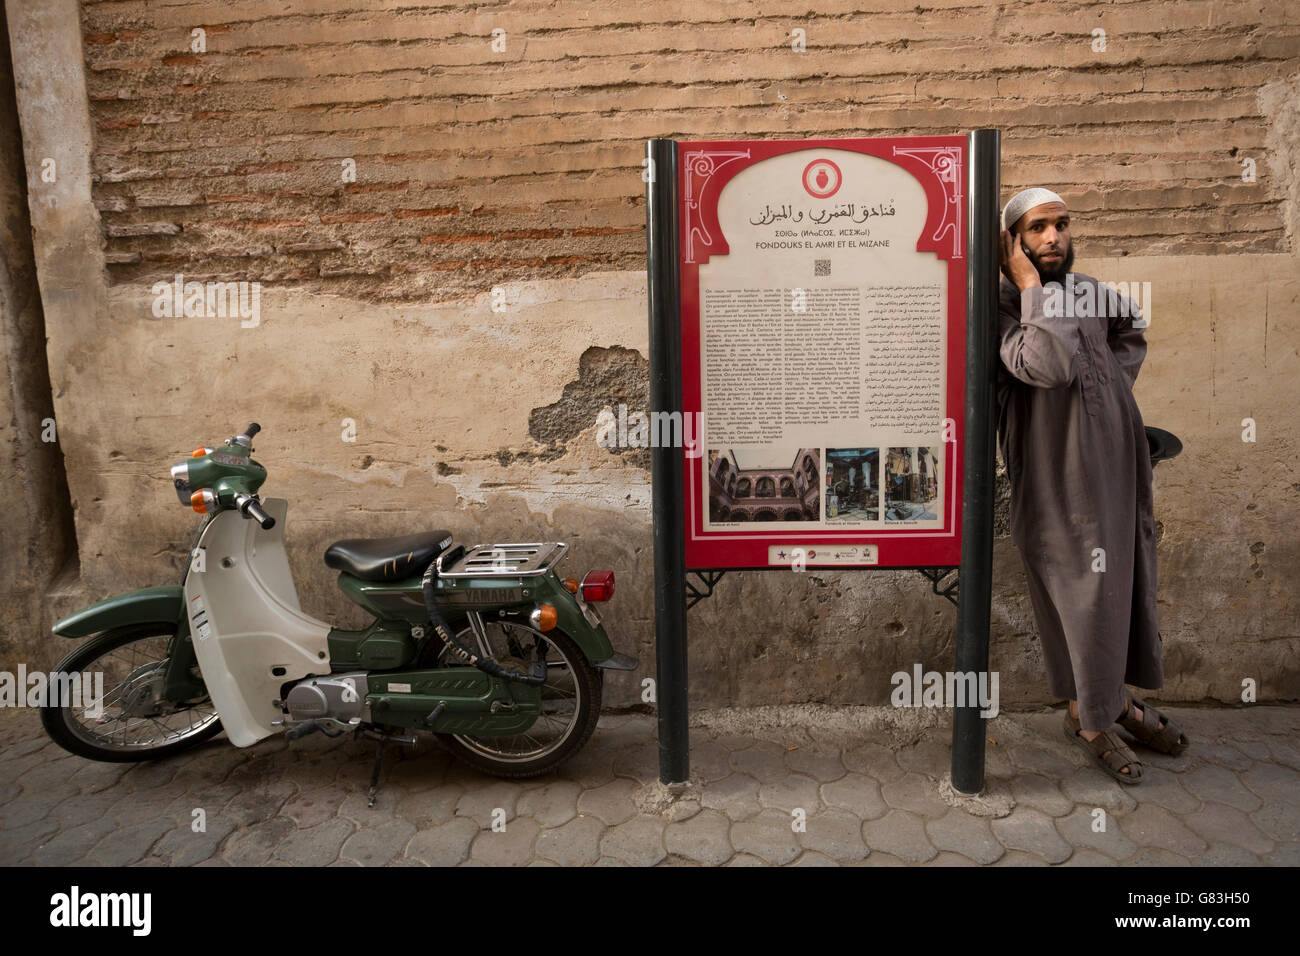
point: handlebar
(252, 429)
(250, 507)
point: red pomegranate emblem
(822, 179)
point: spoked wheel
(570, 702)
(132, 722)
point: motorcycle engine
(340, 698)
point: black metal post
(973, 610)
(667, 488)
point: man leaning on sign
(1081, 508)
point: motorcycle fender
(157, 605)
(250, 635)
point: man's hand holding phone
(1015, 263)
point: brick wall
(475, 166)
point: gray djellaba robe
(1076, 452)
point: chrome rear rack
(519, 560)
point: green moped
(488, 648)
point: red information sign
(823, 289)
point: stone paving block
(182, 846)
(638, 763)
(1088, 858)
(917, 793)
(125, 845)
(612, 803)
(480, 804)
(959, 832)
(1168, 790)
(96, 776)
(813, 858)
(899, 833)
(552, 804)
(1051, 761)
(710, 761)
(8, 791)
(17, 842)
(447, 844)
(1077, 829)
(20, 813)
(930, 756)
(835, 833)
(793, 790)
(1041, 793)
(590, 767)
(514, 847)
(1255, 749)
(425, 808)
(1284, 752)
(1091, 788)
(1273, 784)
(1218, 785)
(765, 762)
(1224, 755)
(822, 767)
(260, 803)
(856, 793)
(704, 838)
(872, 760)
(1221, 854)
(253, 846)
(1154, 856)
(1150, 826)
(736, 795)
(746, 859)
(1219, 823)
(150, 774)
(71, 846)
(637, 842)
(1280, 822)
(307, 808)
(610, 861)
(1287, 854)
(1019, 858)
(576, 843)
(880, 858)
(1032, 832)
(951, 859)
(769, 836)
(375, 846)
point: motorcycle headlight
(181, 481)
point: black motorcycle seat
(387, 559)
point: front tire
(133, 725)
(570, 704)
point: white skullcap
(1024, 201)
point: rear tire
(574, 695)
(130, 659)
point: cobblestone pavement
(1233, 799)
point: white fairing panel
(250, 636)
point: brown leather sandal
(1108, 751)
(1154, 730)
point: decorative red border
(939, 164)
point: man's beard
(1056, 274)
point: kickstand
(374, 772)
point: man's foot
(1108, 751)
(1152, 728)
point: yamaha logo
(822, 179)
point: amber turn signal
(198, 452)
(570, 585)
(197, 503)
(544, 618)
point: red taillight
(598, 586)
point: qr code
(821, 267)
